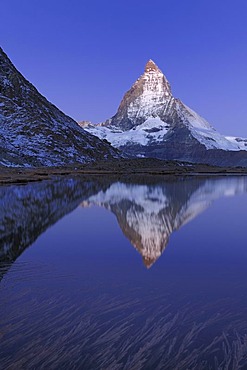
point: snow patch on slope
(203, 131)
(195, 120)
(153, 129)
(241, 142)
(213, 140)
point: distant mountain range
(33, 132)
(151, 122)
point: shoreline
(10, 175)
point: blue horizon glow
(83, 56)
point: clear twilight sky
(83, 55)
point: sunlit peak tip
(151, 66)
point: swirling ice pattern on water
(74, 294)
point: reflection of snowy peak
(150, 122)
(138, 209)
(148, 215)
(33, 132)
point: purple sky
(84, 54)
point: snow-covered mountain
(151, 122)
(149, 214)
(33, 132)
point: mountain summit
(151, 122)
(151, 66)
(33, 132)
(146, 99)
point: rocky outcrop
(33, 132)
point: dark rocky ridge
(33, 132)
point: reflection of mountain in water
(26, 211)
(148, 214)
(198, 323)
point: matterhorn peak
(147, 98)
(151, 67)
(150, 122)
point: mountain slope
(33, 132)
(150, 122)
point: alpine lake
(124, 273)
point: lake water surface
(142, 273)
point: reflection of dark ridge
(4, 268)
(27, 211)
